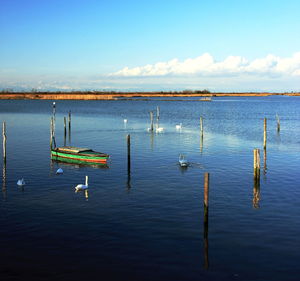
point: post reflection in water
(151, 140)
(201, 143)
(205, 224)
(205, 244)
(4, 179)
(265, 161)
(256, 193)
(86, 193)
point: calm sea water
(149, 226)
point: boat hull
(79, 157)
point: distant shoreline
(91, 95)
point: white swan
(159, 129)
(59, 171)
(182, 161)
(179, 126)
(79, 187)
(21, 182)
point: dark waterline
(151, 227)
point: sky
(218, 45)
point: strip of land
(95, 95)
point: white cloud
(205, 65)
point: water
(149, 226)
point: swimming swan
(79, 187)
(159, 129)
(21, 182)
(179, 126)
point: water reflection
(265, 161)
(75, 164)
(85, 192)
(201, 143)
(256, 193)
(4, 179)
(205, 242)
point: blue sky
(221, 45)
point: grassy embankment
(98, 95)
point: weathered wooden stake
(256, 164)
(151, 121)
(69, 121)
(51, 132)
(54, 109)
(278, 123)
(65, 130)
(4, 140)
(128, 154)
(265, 132)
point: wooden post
(256, 164)
(256, 178)
(151, 121)
(265, 132)
(51, 132)
(4, 140)
(278, 123)
(69, 121)
(128, 154)
(65, 130)
(53, 109)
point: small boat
(79, 154)
(182, 161)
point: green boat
(78, 155)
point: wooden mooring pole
(256, 178)
(53, 109)
(256, 164)
(265, 133)
(65, 130)
(51, 133)
(4, 140)
(69, 121)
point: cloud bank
(206, 65)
